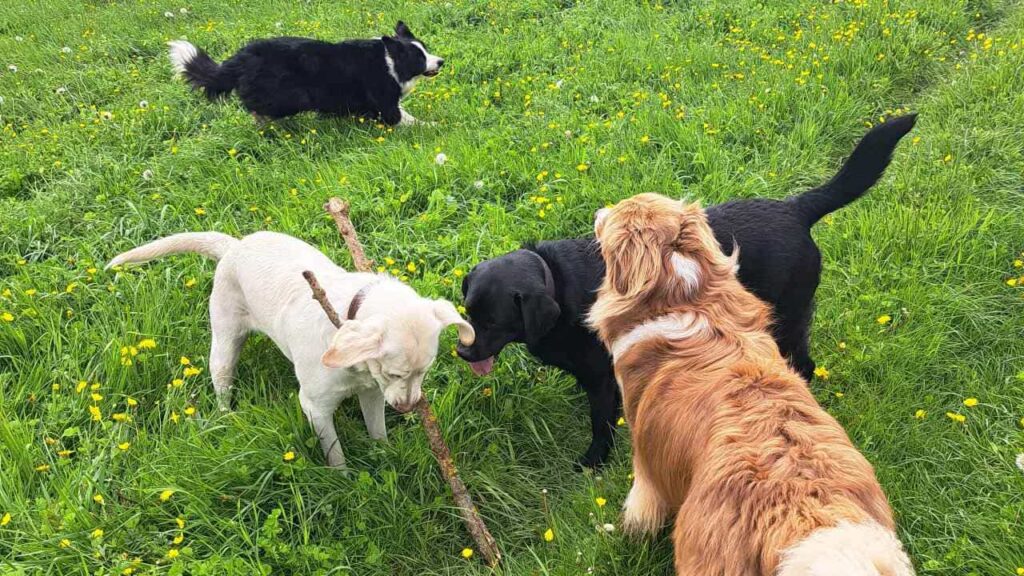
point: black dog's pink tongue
(482, 367)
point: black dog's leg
(793, 333)
(602, 393)
(391, 115)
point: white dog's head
(395, 338)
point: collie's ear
(402, 31)
(634, 264)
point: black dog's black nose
(440, 62)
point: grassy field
(113, 459)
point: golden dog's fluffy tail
(847, 549)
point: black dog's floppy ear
(402, 31)
(540, 312)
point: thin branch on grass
(338, 210)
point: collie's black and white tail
(864, 549)
(213, 245)
(200, 70)
(859, 173)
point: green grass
(713, 100)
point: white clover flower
(478, 184)
(66, 49)
(147, 175)
(609, 528)
(143, 104)
(12, 68)
(440, 159)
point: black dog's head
(507, 300)
(408, 55)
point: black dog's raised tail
(200, 70)
(859, 173)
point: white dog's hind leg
(227, 336)
(321, 418)
(372, 404)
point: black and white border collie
(279, 77)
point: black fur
(279, 77)
(779, 262)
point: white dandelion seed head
(147, 175)
(543, 490)
(440, 159)
(143, 104)
(169, 14)
(568, 133)
(61, 91)
(478, 184)
(609, 528)
(1020, 462)
(12, 67)
(66, 49)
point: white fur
(866, 549)
(688, 270)
(381, 356)
(677, 326)
(433, 62)
(182, 53)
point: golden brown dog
(761, 479)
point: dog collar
(357, 301)
(549, 279)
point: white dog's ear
(448, 315)
(355, 342)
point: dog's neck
(406, 86)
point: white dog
(382, 351)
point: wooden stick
(470, 515)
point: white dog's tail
(866, 549)
(210, 244)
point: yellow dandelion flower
(55, 387)
(175, 417)
(582, 167)
(467, 553)
(822, 372)
(98, 498)
(124, 446)
(97, 533)
(177, 382)
(190, 410)
(6, 519)
(178, 539)
(1011, 282)
(7, 317)
(192, 371)
(955, 417)
(600, 502)
(166, 495)
(190, 282)
(65, 453)
(172, 553)
(411, 267)
(288, 456)
(181, 522)
(81, 386)
(621, 421)
(920, 414)
(199, 211)
(96, 414)
(147, 344)
(65, 543)
(947, 158)
(645, 139)
(131, 402)
(840, 394)
(232, 152)
(1018, 263)
(43, 468)
(96, 397)
(185, 361)
(970, 402)
(884, 319)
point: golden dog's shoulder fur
(724, 433)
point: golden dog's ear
(634, 263)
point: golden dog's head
(654, 246)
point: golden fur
(725, 434)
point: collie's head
(657, 248)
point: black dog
(280, 77)
(540, 295)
